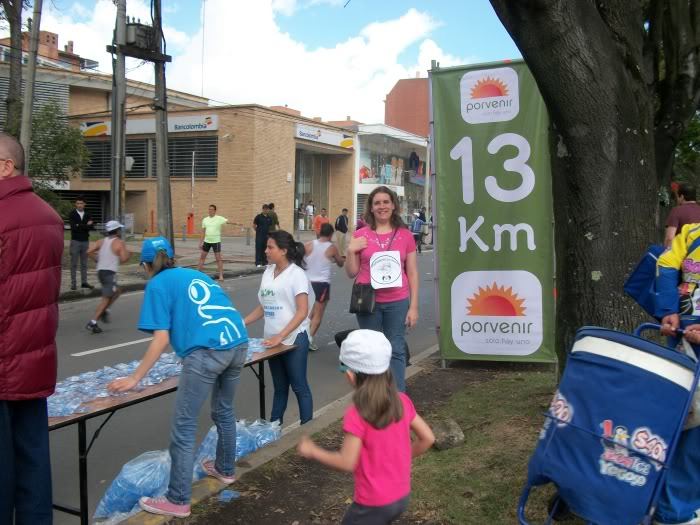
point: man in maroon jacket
(31, 244)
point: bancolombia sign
(148, 126)
(495, 245)
(324, 136)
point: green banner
(493, 210)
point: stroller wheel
(562, 512)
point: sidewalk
(238, 254)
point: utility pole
(25, 135)
(118, 192)
(165, 210)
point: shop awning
(317, 147)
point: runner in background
(320, 256)
(110, 252)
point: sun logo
(496, 300)
(489, 87)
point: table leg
(82, 472)
(261, 387)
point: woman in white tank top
(321, 254)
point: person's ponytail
(295, 250)
(299, 252)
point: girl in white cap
(377, 445)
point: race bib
(385, 270)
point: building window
(99, 165)
(180, 149)
(138, 150)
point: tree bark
(674, 31)
(13, 13)
(587, 61)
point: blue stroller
(612, 427)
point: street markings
(112, 347)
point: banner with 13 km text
(494, 214)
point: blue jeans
(290, 370)
(25, 465)
(390, 318)
(203, 371)
(680, 495)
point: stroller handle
(653, 326)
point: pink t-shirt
(383, 472)
(404, 243)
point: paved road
(146, 427)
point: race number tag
(385, 270)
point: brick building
(406, 106)
(243, 156)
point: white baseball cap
(366, 351)
(113, 225)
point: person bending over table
(285, 301)
(188, 310)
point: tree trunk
(13, 12)
(587, 63)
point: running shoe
(164, 507)
(93, 327)
(210, 468)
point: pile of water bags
(74, 391)
(148, 474)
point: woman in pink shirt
(377, 446)
(393, 273)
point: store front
(395, 158)
(320, 155)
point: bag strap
(695, 244)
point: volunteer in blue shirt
(186, 309)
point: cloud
(286, 7)
(260, 63)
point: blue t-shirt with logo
(194, 309)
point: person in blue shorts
(189, 311)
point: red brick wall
(406, 106)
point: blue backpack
(641, 283)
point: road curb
(323, 418)
(78, 295)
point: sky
(326, 58)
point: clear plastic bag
(264, 432)
(249, 438)
(146, 475)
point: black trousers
(260, 244)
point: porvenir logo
(495, 300)
(489, 95)
(497, 313)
